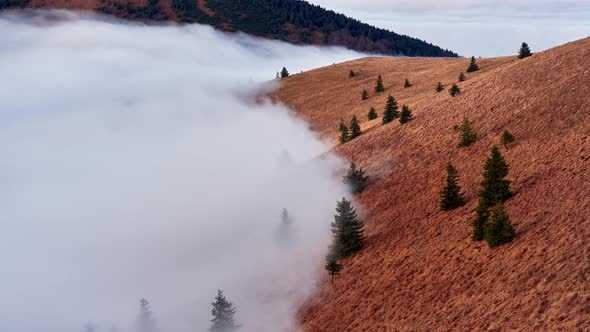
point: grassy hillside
(294, 21)
(420, 270)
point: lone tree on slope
(333, 268)
(379, 86)
(472, 66)
(355, 128)
(284, 73)
(145, 321)
(461, 77)
(524, 51)
(390, 112)
(356, 179)
(468, 134)
(506, 139)
(439, 87)
(372, 115)
(347, 232)
(351, 74)
(454, 90)
(495, 189)
(223, 313)
(407, 83)
(499, 230)
(344, 134)
(405, 115)
(364, 95)
(451, 196)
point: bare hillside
(420, 270)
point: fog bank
(136, 164)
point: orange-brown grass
(420, 270)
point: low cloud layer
(135, 163)
(478, 27)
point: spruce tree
(351, 74)
(524, 51)
(407, 84)
(347, 231)
(356, 179)
(145, 321)
(479, 224)
(461, 77)
(284, 73)
(506, 138)
(451, 196)
(364, 95)
(355, 128)
(223, 314)
(454, 90)
(390, 112)
(344, 135)
(333, 268)
(405, 115)
(379, 86)
(495, 188)
(499, 230)
(439, 87)
(468, 134)
(472, 66)
(372, 115)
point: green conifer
(355, 128)
(479, 224)
(461, 77)
(439, 87)
(379, 86)
(284, 73)
(472, 65)
(347, 232)
(405, 115)
(499, 230)
(468, 134)
(454, 90)
(351, 74)
(364, 95)
(333, 268)
(451, 196)
(524, 51)
(356, 179)
(391, 111)
(495, 189)
(223, 315)
(506, 138)
(344, 134)
(407, 83)
(372, 115)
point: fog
(135, 163)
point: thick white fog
(135, 163)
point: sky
(136, 163)
(484, 28)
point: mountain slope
(294, 21)
(420, 271)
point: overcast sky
(475, 27)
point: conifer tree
(506, 138)
(407, 84)
(347, 231)
(451, 196)
(454, 90)
(284, 73)
(364, 95)
(472, 66)
(524, 51)
(356, 179)
(461, 77)
(372, 115)
(390, 112)
(344, 134)
(333, 268)
(405, 115)
(499, 230)
(468, 134)
(351, 74)
(495, 188)
(439, 87)
(379, 86)
(479, 224)
(355, 128)
(145, 321)
(223, 314)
